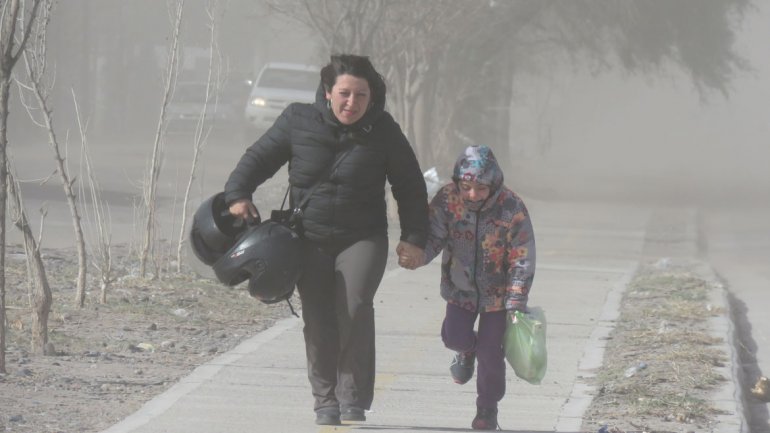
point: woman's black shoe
(327, 416)
(353, 413)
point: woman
(488, 265)
(348, 142)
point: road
(120, 171)
(737, 244)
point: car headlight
(258, 102)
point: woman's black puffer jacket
(350, 204)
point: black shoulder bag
(292, 218)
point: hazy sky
(658, 126)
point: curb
(571, 417)
(727, 398)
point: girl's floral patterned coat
(488, 260)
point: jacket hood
(478, 164)
(374, 111)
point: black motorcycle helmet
(269, 255)
(214, 230)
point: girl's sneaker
(462, 366)
(486, 419)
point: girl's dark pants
(457, 334)
(337, 291)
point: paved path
(586, 255)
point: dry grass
(663, 326)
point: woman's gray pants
(337, 292)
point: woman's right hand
(410, 256)
(244, 209)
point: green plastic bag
(524, 344)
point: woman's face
(349, 98)
(473, 191)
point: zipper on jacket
(476, 263)
(476, 255)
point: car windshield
(289, 79)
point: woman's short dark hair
(357, 66)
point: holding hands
(410, 256)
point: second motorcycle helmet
(269, 255)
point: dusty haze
(574, 136)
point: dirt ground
(112, 358)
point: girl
(488, 264)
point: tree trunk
(69, 193)
(151, 181)
(97, 214)
(35, 59)
(5, 76)
(202, 130)
(10, 12)
(41, 290)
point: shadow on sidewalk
(436, 429)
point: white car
(278, 85)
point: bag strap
(298, 208)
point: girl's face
(349, 98)
(473, 191)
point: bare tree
(153, 172)
(423, 49)
(450, 64)
(36, 65)
(12, 42)
(203, 128)
(97, 214)
(40, 290)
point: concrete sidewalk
(586, 256)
